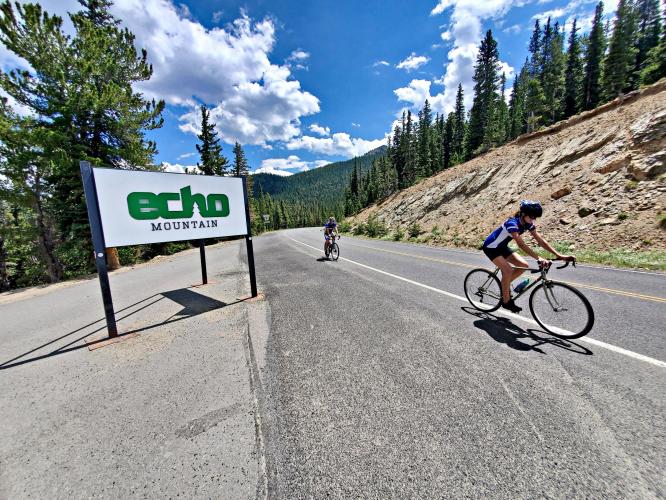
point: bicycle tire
(574, 325)
(334, 251)
(473, 285)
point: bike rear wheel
(561, 310)
(334, 251)
(483, 290)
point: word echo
(151, 206)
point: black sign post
(248, 241)
(98, 245)
(202, 254)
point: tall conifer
(591, 91)
(573, 73)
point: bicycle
(333, 249)
(557, 307)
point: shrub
(630, 185)
(622, 216)
(399, 234)
(345, 227)
(375, 228)
(359, 229)
(436, 231)
(414, 230)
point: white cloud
(254, 101)
(465, 29)
(553, 14)
(340, 144)
(412, 62)
(357, 125)
(319, 130)
(446, 36)
(282, 166)
(185, 155)
(177, 168)
(381, 63)
(217, 16)
(513, 30)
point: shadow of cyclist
(504, 331)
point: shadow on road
(193, 304)
(504, 331)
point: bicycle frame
(544, 272)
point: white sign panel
(153, 207)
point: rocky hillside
(600, 176)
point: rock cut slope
(600, 176)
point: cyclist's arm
(547, 246)
(523, 246)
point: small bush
(436, 231)
(414, 230)
(375, 228)
(345, 227)
(398, 235)
(631, 185)
(359, 229)
(622, 216)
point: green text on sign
(150, 206)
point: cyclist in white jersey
(496, 248)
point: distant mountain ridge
(324, 185)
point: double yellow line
(623, 293)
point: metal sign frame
(99, 245)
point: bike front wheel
(561, 310)
(334, 251)
(483, 290)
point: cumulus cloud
(283, 166)
(465, 30)
(417, 92)
(319, 130)
(177, 168)
(339, 144)
(412, 62)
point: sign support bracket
(202, 254)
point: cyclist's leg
(507, 272)
(518, 261)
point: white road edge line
(589, 340)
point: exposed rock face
(601, 177)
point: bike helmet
(331, 219)
(531, 208)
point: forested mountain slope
(324, 185)
(600, 176)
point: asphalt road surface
(381, 382)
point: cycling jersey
(329, 227)
(501, 237)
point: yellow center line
(624, 293)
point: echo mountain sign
(149, 207)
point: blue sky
(302, 83)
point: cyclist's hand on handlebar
(543, 262)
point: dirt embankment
(600, 175)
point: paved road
(375, 386)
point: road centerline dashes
(589, 340)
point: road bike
(557, 307)
(333, 250)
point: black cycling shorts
(492, 253)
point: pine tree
(553, 74)
(591, 91)
(535, 50)
(241, 168)
(572, 78)
(459, 128)
(80, 92)
(447, 140)
(424, 133)
(485, 94)
(621, 58)
(648, 33)
(517, 117)
(210, 150)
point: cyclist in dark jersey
(496, 248)
(329, 228)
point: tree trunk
(4, 276)
(45, 237)
(112, 260)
